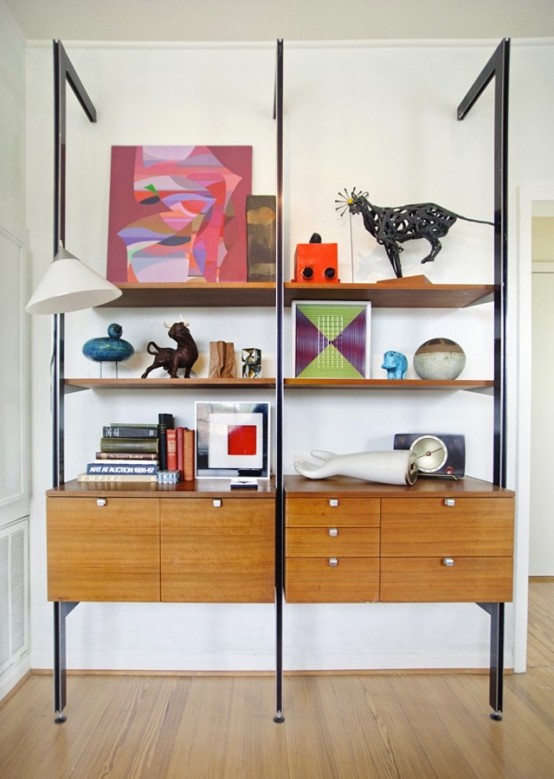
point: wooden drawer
(427, 527)
(315, 580)
(332, 541)
(108, 552)
(428, 579)
(333, 511)
(217, 550)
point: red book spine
(180, 450)
(171, 449)
(188, 474)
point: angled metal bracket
(64, 73)
(497, 68)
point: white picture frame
(232, 440)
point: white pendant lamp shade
(69, 285)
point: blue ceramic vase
(110, 349)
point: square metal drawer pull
(333, 532)
(101, 502)
(333, 562)
(217, 503)
(450, 502)
(448, 561)
(333, 502)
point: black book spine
(164, 421)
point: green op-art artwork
(331, 340)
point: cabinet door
(218, 550)
(103, 549)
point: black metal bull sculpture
(392, 226)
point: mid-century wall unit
(294, 540)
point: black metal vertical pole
(58, 354)
(496, 676)
(279, 383)
(64, 72)
(501, 251)
(61, 610)
(498, 68)
(59, 663)
(58, 334)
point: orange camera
(316, 263)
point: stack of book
(128, 452)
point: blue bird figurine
(111, 349)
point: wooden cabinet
(437, 541)
(148, 545)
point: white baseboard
(13, 675)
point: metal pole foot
(59, 718)
(279, 717)
(496, 715)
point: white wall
(541, 527)
(14, 353)
(378, 117)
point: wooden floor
(337, 727)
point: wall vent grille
(14, 577)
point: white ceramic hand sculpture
(394, 467)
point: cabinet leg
(496, 665)
(61, 610)
(279, 716)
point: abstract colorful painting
(331, 339)
(178, 213)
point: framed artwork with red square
(232, 440)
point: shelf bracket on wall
(497, 68)
(64, 73)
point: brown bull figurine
(184, 356)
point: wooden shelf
(395, 294)
(168, 384)
(257, 384)
(388, 294)
(389, 384)
(194, 294)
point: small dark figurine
(184, 356)
(393, 226)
